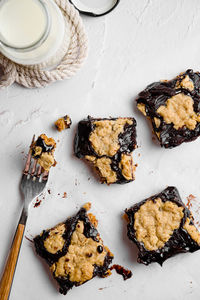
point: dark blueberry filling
(122, 271)
(41, 143)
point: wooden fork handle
(8, 274)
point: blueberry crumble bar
(108, 144)
(74, 250)
(173, 108)
(162, 226)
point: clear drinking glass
(33, 31)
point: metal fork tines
(33, 183)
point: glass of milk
(32, 31)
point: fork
(32, 184)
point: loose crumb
(63, 123)
(49, 191)
(37, 203)
(87, 206)
(64, 195)
(190, 198)
(125, 217)
(103, 288)
(122, 271)
(28, 239)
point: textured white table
(138, 43)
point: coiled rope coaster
(72, 58)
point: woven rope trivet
(35, 76)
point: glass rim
(42, 38)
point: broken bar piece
(63, 123)
(43, 151)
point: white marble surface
(138, 43)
